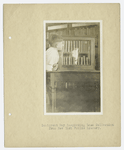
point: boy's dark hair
(55, 38)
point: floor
(76, 101)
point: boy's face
(60, 45)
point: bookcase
(85, 37)
(82, 76)
(86, 54)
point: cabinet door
(82, 59)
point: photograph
(62, 75)
(72, 67)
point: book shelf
(88, 33)
(86, 54)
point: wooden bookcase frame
(90, 52)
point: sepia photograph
(72, 67)
(62, 75)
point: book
(81, 60)
(78, 31)
(63, 60)
(73, 59)
(81, 46)
(68, 46)
(64, 32)
(69, 31)
(88, 52)
(87, 31)
(75, 31)
(84, 60)
(70, 60)
(71, 47)
(86, 46)
(66, 85)
(76, 44)
(93, 30)
(67, 60)
(63, 47)
(61, 32)
(72, 32)
(78, 60)
(81, 31)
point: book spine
(76, 44)
(84, 59)
(66, 86)
(69, 32)
(81, 60)
(61, 32)
(79, 46)
(78, 60)
(71, 46)
(75, 31)
(69, 61)
(83, 46)
(66, 60)
(89, 51)
(87, 31)
(63, 60)
(93, 30)
(73, 61)
(81, 31)
(68, 46)
(63, 47)
(86, 46)
(84, 31)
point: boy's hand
(55, 67)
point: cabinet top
(74, 71)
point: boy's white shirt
(52, 57)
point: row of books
(68, 60)
(83, 31)
(83, 46)
(75, 31)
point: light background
(2, 82)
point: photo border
(101, 68)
